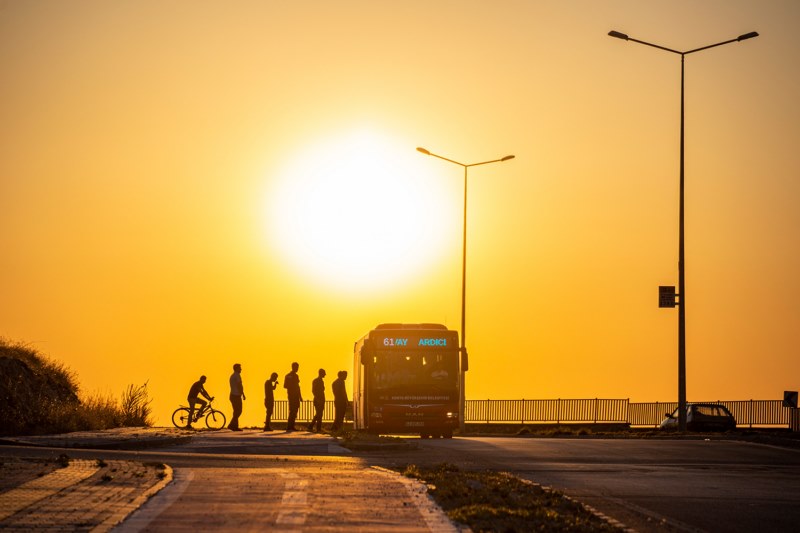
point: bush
(40, 396)
(32, 389)
(136, 406)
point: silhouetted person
(339, 400)
(197, 388)
(318, 390)
(292, 385)
(237, 395)
(269, 398)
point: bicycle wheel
(215, 419)
(180, 417)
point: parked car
(702, 417)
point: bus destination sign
(405, 342)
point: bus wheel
(448, 434)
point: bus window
(399, 370)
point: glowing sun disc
(359, 212)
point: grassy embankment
(484, 500)
(41, 396)
(489, 501)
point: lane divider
(294, 501)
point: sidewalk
(74, 494)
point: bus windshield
(390, 370)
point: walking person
(340, 400)
(292, 385)
(318, 390)
(197, 388)
(237, 395)
(269, 398)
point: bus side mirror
(365, 355)
(464, 360)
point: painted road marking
(294, 501)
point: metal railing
(592, 410)
(746, 412)
(759, 412)
(649, 413)
(306, 412)
(596, 410)
(561, 410)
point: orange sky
(186, 185)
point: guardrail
(306, 412)
(759, 412)
(591, 410)
(561, 410)
(596, 410)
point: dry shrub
(40, 396)
(136, 409)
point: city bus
(406, 380)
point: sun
(360, 211)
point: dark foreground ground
(97, 489)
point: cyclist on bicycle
(193, 398)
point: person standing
(318, 390)
(292, 385)
(197, 388)
(269, 398)
(237, 395)
(340, 400)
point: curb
(96, 443)
(433, 515)
(602, 516)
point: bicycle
(215, 419)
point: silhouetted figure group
(291, 382)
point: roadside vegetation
(777, 436)
(499, 502)
(363, 441)
(41, 396)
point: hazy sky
(189, 184)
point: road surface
(254, 481)
(225, 481)
(653, 484)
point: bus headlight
(452, 415)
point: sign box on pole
(666, 296)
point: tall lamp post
(461, 381)
(681, 259)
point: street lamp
(681, 260)
(461, 381)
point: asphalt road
(653, 484)
(256, 481)
(252, 481)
